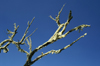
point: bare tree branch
(26, 30)
(10, 40)
(57, 17)
(56, 51)
(58, 34)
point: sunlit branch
(57, 17)
(27, 30)
(58, 34)
(10, 40)
(56, 51)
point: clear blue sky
(85, 52)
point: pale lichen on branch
(58, 34)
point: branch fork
(59, 34)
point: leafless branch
(10, 40)
(26, 30)
(58, 34)
(57, 17)
(56, 51)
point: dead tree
(59, 33)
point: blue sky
(85, 52)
